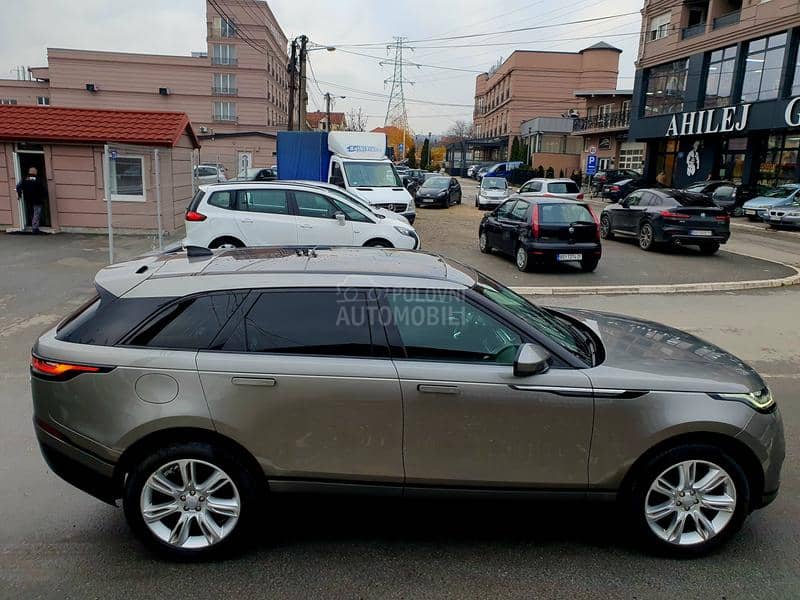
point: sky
(443, 72)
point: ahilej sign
(724, 120)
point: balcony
(224, 91)
(230, 61)
(604, 122)
(693, 31)
(730, 19)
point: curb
(677, 288)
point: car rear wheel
(709, 248)
(605, 228)
(483, 243)
(226, 242)
(589, 264)
(522, 259)
(191, 500)
(646, 237)
(689, 500)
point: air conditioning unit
(91, 87)
(203, 129)
(164, 91)
(573, 113)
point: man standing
(34, 192)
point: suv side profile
(197, 384)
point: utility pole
(303, 97)
(328, 108)
(292, 68)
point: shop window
(551, 143)
(665, 160)
(719, 79)
(127, 179)
(631, 158)
(666, 88)
(778, 164)
(762, 71)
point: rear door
(317, 224)
(265, 218)
(303, 380)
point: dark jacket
(33, 190)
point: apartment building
(717, 90)
(530, 84)
(235, 92)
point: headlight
(443, 193)
(404, 230)
(761, 401)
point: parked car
(725, 194)
(209, 174)
(481, 172)
(502, 169)
(786, 214)
(440, 190)
(756, 209)
(417, 174)
(401, 170)
(602, 178)
(492, 192)
(184, 386)
(536, 230)
(563, 188)
(410, 183)
(614, 192)
(339, 192)
(661, 216)
(257, 174)
(284, 213)
(472, 170)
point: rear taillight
(580, 196)
(596, 222)
(535, 222)
(722, 218)
(61, 371)
(194, 216)
(671, 215)
(614, 188)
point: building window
(626, 109)
(225, 84)
(778, 164)
(666, 88)
(43, 100)
(224, 27)
(659, 26)
(127, 179)
(225, 111)
(8, 100)
(762, 69)
(719, 80)
(631, 158)
(223, 54)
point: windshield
(562, 331)
(780, 192)
(436, 183)
(371, 174)
(494, 183)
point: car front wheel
(483, 243)
(689, 500)
(191, 500)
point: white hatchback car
(238, 214)
(492, 192)
(562, 188)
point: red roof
(56, 124)
(313, 118)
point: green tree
(550, 173)
(540, 171)
(411, 157)
(516, 150)
(425, 156)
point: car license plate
(427, 200)
(749, 212)
(568, 257)
(701, 232)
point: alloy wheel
(690, 502)
(483, 243)
(646, 237)
(522, 258)
(190, 504)
(605, 226)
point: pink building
(235, 93)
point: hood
(390, 215)
(652, 356)
(766, 201)
(382, 195)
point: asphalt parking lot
(57, 542)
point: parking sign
(591, 164)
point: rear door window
(520, 211)
(222, 199)
(564, 214)
(504, 212)
(563, 187)
(273, 202)
(310, 322)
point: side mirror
(624, 203)
(340, 218)
(531, 360)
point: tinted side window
(313, 205)
(723, 192)
(221, 199)
(520, 211)
(325, 323)
(190, 324)
(440, 326)
(563, 187)
(264, 201)
(504, 211)
(351, 213)
(633, 199)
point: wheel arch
(378, 241)
(226, 238)
(738, 450)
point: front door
(627, 218)
(305, 383)
(317, 222)
(493, 226)
(510, 226)
(468, 420)
(265, 218)
(26, 160)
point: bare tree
(356, 120)
(459, 133)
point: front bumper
(428, 201)
(484, 201)
(76, 466)
(764, 435)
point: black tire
(605, 228)
(483, 243)
(709, 248)
(459, 198)
(250, 487)
(378, 244)
(646, 237)
(635, 497)
(522, 259)
(226, 242)
(589, 264)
